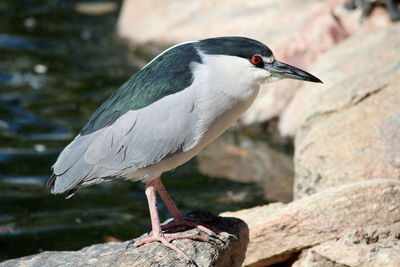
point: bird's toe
(166, 240)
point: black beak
(281, 70)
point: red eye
(255, 60)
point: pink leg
(152, 188)
(179, 219)
(157, 234)
(152, 201)
(176, 214)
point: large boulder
(278, 232)
(371, 246)
(224, 253)
(244, 159)
(174, 21)
(350, 128)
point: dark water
(56, 66)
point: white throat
(230, 75)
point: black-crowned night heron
(164, 115)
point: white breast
(222, 95)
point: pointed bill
(282, 70)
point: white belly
(215, 129)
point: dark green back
(169, 73)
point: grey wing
(137, 139)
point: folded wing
(137, 139)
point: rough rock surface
(349, 25)
(242, 159)
(371, 246)
(350, 127)
(170, 22)
(217, 253)
(278, 233)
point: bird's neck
(222, 95)
(217, 112)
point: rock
(332, 24)
(291, 116)
(370, 246)
(271, 101)
(278, 233)
(256, 216)
(216, 253)
(349, 130)
(171, 22)
(243, 159)
(308, 258)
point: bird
(163, 116)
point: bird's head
(250, 59)
(233, 66)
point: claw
(232, 236)
(214, 235)
(193, 262)
(193, 222)
(130, 243)
(166, 240)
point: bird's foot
(166, 239)
(197, 219)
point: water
(56, 66)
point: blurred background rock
(60, 59)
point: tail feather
(70, 193)
(52, 180)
